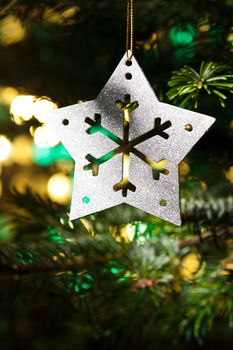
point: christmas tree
(119, 278)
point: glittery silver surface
(149, 192)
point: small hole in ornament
(128, 76)
(65, 122)
(128, 63)
(86, 200)
(163, 203)
(189, 127)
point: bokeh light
(184, 168)
(45, 137)
(5, 148)
(71, 11)
(8, 94)
(230, 36)
(59, 188)
(204, 25)
(11, 30)
(22, 107)
(182, 34)
(41, 107)
(45, 156)
(191, 265)
(229, 174)
(25, 178)
(22, 150)
(64, 17)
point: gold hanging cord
(129, 30)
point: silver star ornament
(127, 146)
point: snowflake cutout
(127, 146)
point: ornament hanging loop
(129, 30)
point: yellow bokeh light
(52, 16)
(5, 148)
(22, 150)
(184, 168)
(71, 11)
(58, 187)
(12, 30)
(29, 177)
(7, 95)
(45, 137)
(41, 107)
(22, 107)
(203, 185)
(204, 25)
(191, 265)
(230, 36)
(60, 17)
(229, 174)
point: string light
(59, 187)
(5, 148)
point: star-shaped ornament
(127, 146)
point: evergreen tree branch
(222, 232)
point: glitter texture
(150, 194)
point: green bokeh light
(183, 34)
(139, 231)
(47, 156)
(25, 258)
(81, 283)
(54, 236)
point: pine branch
(148, 273)
(186, 84)
(83, 253)
(222, 232)
(206, 211)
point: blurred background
(58, 53)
